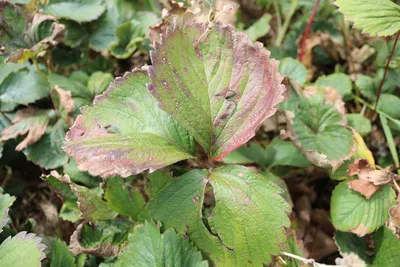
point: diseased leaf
(220, 88)
(317, 126)
(387, 247)
(47, 152)
(80, 11)
(339, 81)
(30, 122)
(250, 215)
(91, 205)
(352, 212)
(147, 247)
(23, 250)
(293, 69)
(374, 17)
(125, 133)
(24, 88)
(60, 255)
(123, 198)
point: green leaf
(293, 69)
(23, 250)
(339, 81)
(24, 87)
(361, 124)
(178, 201)
(123, 198)
(349, 242)
(374, 17)
(80, 11)
(98, 82)
(5, 203)
(132, 34)
(60, 255)
(249, 215)
(259, 28)
(30, 122)
(147, 247)
(8, 68)
(157, 181)
(80, 177)
(369, 85)
(126, 133)
(277, 153)
(387, 247)
(75, 33)
(216, 88)
(351, 211)
(103, 36)
(13, 19)
(91, 205)
(319, 131)
(390, 104)
(284, 153)
(47, 152)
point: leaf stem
(386, 69)
(390, 140)
(278, 15)
(307, 31)
(311, 262)
(282, 32)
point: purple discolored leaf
(216, 83)
(125, 132)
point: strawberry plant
(199, 133)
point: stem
(282, 32)
(311, 262)
(278, 15)
(386, 69)
(307, 31)
(390, 140)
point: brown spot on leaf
(361, 230)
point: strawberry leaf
(374, 17)
(387, 247)
(217, 84)
(245, 199)
(249, 215)
(147, 247)
(23, 250)
(352, 212)
(125, 133)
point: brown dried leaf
(103, 250)
(360, 230)
(369, 179)
(65, 104)
(28, 121)
(364, 187)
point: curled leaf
(28, 121)
(318, 127)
